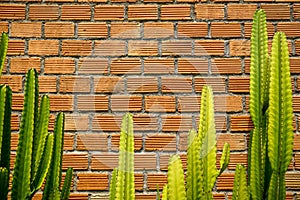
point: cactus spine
(240, 184)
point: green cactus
(3, 50)
(124, 186)
(165, 193)
(113, 184)
(4, 177)
(240, 191)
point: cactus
(123, 189)
(240, 191)
(3, 50)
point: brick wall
(98, 59)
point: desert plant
(240, 184)
(3, 50)
(122, 184)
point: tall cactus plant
(122, 185)
(240, 191)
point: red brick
(276, 11)
(176, 47)
(76, 48)
(26, 29)
(297, 47)
(226, 66)
(176, 85)
(124, 1)
(88, 29)
(61, 102)
(158, 66)
(17, 104)
(292, 180)
(239, 47)
(108, 84)
(160, 104)
(14, 81)
(16, 47)
(158, 29)
(142, 12)
(92, 181)
(59, 29)
(294, 66)
(239, 84)
(225, 181)
(225, 29)
(59, 66)
(217, 83)
(92, 103)
(125, 30)
(76, 122)
(78, 161)
(145, 161)
(110, 48)
(291, 29)
(75, 12)
(125, 66)
(43, 12)
(115, 142)
(209, 47)
(209, 11)
(47, 84)
(93, 66)
(104, 161)
(154, 180)
(12, 11)
(43, 47)
(174, 123)
(126, 103)
(192, 29)
(109, 12)
(241, 123)
(142, 84)
(241, 11)
(248, 29)
(3, 26)
(175, 12)
(142, 48)
(297, 11)
(92, 142)
(23, 64)
(73, 84)
(192, 65)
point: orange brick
(76, 12)
(124, 1)
(241, 123)
(192, 29)
(235, 158)
(14, 81)
(61, 102)
(297, 11)
(92, 66)
(225, 181)
(192, 65)
(12, 11)
(241, 11)
(142, 12)
(145, 161)
(209, 11)
(158, 29)
(26, 29)
(76, 48)
(16, 47)
(292, 182)
(73, 84)
(22, 64)
(78, 161)
(296, 103)
(59, 66)
(43, 47)
(59, 29)
(76, 122)
(154, 180)
(142, 48)
(109, 12)
(47, 84)
(88, 29)
(92, 103)
(174, 123)
(160, 104)
(125, 66)
(217, 84)
(158, 66)
(92, 181)
(43, 12)
(226, 66)
(59, 1)
(92, 142)
(224, 29)
(17, 103)
(142, 84)
(176, 47)
(176, 85)
(209, 47)
(110, 48)
(3, 26)
(126, 103)
(291, 29)
(108, 84)
(104, 161)
(239, 47)
(297, 47)
(248, 29)
(294, 66)
(175, 12)
(14, 124)
(239, 84)
(115, 141)
(125, 30)
(276, 11)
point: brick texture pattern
(98, 59)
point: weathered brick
(239, 84)
(209, 11)
(47, 84)
(78, 161)
(43, 47)
(92, 103)
(73, 84)
(92, 181)
(241, 11)
(192, 65)
(92, 142)
(126, 103)
(239, 47)
(225, 29)
(142, 84)
(59, 66)
(209, 47)
(226, 66)
(158, 29)
(14, 81)
(125, 66)
(75, 12)
(160, 104)
(174, 123)
(109, 12)
(61, 102)
(176, 85)
(217, 84)
(125, 30)
(12, 11)
(43, 12)
(16, 47)
(3, 26)
(276, 11)
(142, 12)
(26, 29)
(192, 29)
(142, 48)
(158, 66)
(76, 47)
(93, 66)
(23, 64)
(108, 84)
(95, 29)
(59, 29)
(110, 48)
(176, 47)
(175, 12)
